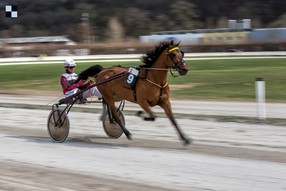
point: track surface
(224, 156)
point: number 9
(130, 78)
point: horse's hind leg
(167, 108)
(116, 118)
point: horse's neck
(159, 76)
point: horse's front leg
(168, 110)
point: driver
(69, 87)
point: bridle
(177, 65)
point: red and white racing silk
(68, 85)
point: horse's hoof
(128, 135)
(139, 113)
(187, 141)
(149, 118)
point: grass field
(232, 80)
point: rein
(155, 68)
(162, 69)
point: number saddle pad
(131, 77)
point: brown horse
(151, 87)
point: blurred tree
(116, 31)
(137, 17)
(183, 15)
(280, 22)
(17, 31)
(161, 23)
(136, 22)
(222, 22)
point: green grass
(232, 80)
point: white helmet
(69, 62)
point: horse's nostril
(183, 72)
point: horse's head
(176, 58)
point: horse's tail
(89, 72)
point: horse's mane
(152, 55)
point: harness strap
(156, 84)
(134, 92)
(160, 96)
(161, 89)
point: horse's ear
(171, 43)
(178, 43)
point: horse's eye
(172, 55)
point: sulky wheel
(111, 128)
(58, 125)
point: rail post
(260, 98)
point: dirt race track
(224, 156)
